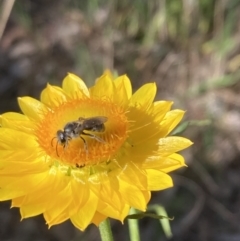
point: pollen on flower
(77, 152)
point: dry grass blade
(7, 6)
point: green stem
(133, 227)
(105, 231)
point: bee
(94, 124)
(77, 128)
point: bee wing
(101, 119)
(94, 123)
(96, 120)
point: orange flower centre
(88, 141)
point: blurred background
(190, 48)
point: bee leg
(57, 149)
(80, 166)
(85, 144)
(52, 141)
(94, 137)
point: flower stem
(133, 227)
(105, 231)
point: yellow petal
(31, 210)
(171, 144)
(59, 212)
(14, 116)
(110, 213)
(56, 215)
(104, 88)
(39, 195)
(25, 182)
(24, 167)
(165, 164)
(18, 122)
(74, 86)
(121, 98)
(32, 108)
(159, 110)
(80, 194)
(20, 139)
(142, 127)
(31, 201)
(143, 97)
(108, 194)
(177, 162)
(126, 208)
(8, 194)
(84, 216)
(171, 120)
(147, 126)
(12, 187)
(11, 157)
(108, 73)
(133, 196)
(98, 218)
(53, 96)
(110, 202)
(132, 174)
(123, 85)
(108, 210)
(142, 149)
(158, 180)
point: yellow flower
(91, 177)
